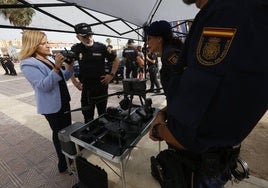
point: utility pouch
(217, 161)
(210, 164)
(166, 167)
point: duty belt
(215, 161)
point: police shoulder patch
(173, 59)
(214, 44)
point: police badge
(173, 59)
(214, 45)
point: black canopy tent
(117, 18)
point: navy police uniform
(92, 67)
(10, 65)
(222, 94)
(153, 70)
(130, 53)
(170, 60)
(4, 65)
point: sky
(43, 21)
(13, 34)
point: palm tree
(17, 16)
(108, 40)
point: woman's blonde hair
(31, 39)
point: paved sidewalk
(27, 156)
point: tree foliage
(17, 16)
(108, 40)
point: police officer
(10, 65)
(130, 55)
(109, 65)
(4, 65)
(152, 62)
(93, 81)
(160, 39)
(222, 94)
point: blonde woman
(49, 83)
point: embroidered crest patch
(173, 59)
(214, 45)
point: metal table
(112, 139)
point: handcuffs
(237, 173)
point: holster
(217, 161)
(167, 169)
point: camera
(69, 55)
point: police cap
(83, 29)
(130, 41)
